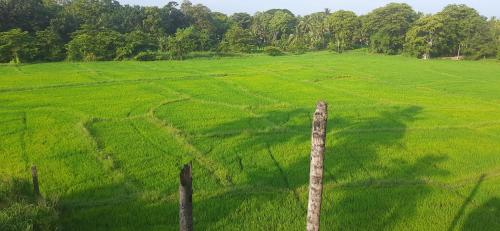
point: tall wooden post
(34, 175)
(316, 170)
(186, 199)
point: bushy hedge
(273, 51)
(145, 56)
(152, 56)
(163, 56)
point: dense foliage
(92, 30)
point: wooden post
(34, 175)
(186, 199)
(316, 169)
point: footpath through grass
(412, 145)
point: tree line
(95, 30)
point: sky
(487, 8)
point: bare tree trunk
(34, 175)
(16, 58)
(316, 170)
(458, 53)
(428, 50)
(186, 199)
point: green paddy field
(411, 144)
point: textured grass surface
(412, 145)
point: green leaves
(344, 26)
(387, 27)
(427, 37)
(238, 39)
(184, 41)
(135, 43)
(13, 46)
(94, 45)
(466, 30)
(107, 30)
(273, 27)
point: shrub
(297, 46)
(152, 56)
(332, 47)
(299, 51)
(163, 56)
(273, 51)
(145, 56)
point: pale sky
(302, 7)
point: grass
(412, 145)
